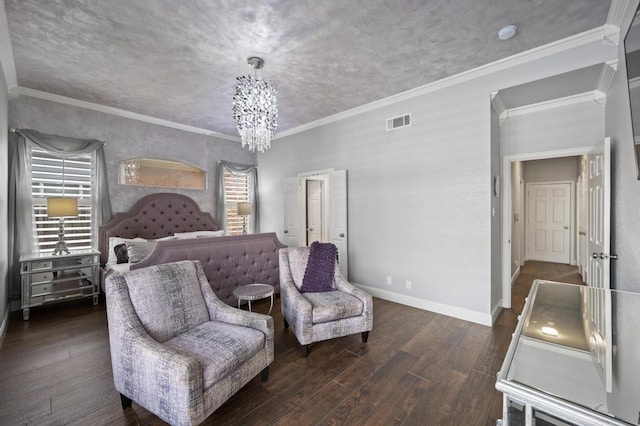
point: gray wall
(4, 183)
(419, 197)
(625, 185)
(552, 169)
(128, 138)
(570, 126)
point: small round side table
(251, 292)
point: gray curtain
(22, 238)
(238, 170)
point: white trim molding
(614, 20)
(553, 103)
(119, 112)
(428, 305)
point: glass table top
(581, 345)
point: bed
(165, 221)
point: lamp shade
(62, 207)
(244, 209)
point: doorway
(316, 202)
(516, 212)
(316, 210)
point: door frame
(572, 217)
(506, 207)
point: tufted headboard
(155, 216)
(228, 262)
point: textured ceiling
(178, 60)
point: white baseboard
(515, 276)
(4, 325)
(428, 305)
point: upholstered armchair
(176, 349)
(317, 316)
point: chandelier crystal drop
(255, 109)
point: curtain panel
(251, 172)
(21, 230)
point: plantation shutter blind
(236, 190)
(52, 176)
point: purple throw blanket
(319, 273)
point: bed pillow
(318, 277)
(114, 241)
(167, 238)
(138, 250)
(198, 234)
(121, 253)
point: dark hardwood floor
(419, 368)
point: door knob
(604, 256)
(286, 232)
(566, 227)
(342, 234)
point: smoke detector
(505, 33)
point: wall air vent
(398, 122)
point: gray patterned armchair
(176, 349)
(324, 315)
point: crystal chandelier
(255, 109)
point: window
(236, 190)
(52, 176)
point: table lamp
(62, 207)
(244, 210)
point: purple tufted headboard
(228, 262)
(155, 216)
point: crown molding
(594, 35)
(617, 12)
(553, 103)
(499, 107)
(604, 82)
(119, 112)
(6, 52)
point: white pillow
(167, 238)
(198, 234)
(114, 241)
(138, 250)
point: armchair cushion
(174, 292)
(219, 347)
(333, 305)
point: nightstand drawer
(41, 265)
(41, 277)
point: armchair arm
(367, 301)
(296, 309)
(144, 369)
(346, 287)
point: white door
(582, 203)
(314, 211)
(338, 217)
(599, 235)
(291, 212)
(549, 220)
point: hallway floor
(534, 270)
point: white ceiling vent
(398, 122)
